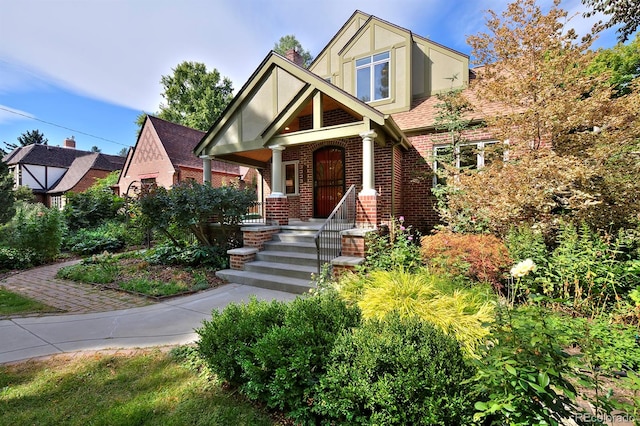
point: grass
(12, 304)
(152, 388)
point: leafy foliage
(537, 72)
(392, 247)
(397, 371)
(454, 309)
(624, 13)
(27, 138)
(35, 229)
(622, 62)
(482, 258)
(7, 196)
(194, 206)
(94, 206)
(523, 373)
(288, 42)
(195, 97)
(190, 255)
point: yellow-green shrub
(463, 312)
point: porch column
(368, 173)
(276, 171)
(277, 204)
(367, 208)
(206, 169)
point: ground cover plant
(135, 273)
(150, 388)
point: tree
(535, 70)
(7, 197)
(95, 149)
(123, 152)
(622, 62)
(195, 97)
(289, 42)
(621, 12)
(28, 138)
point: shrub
(462, 312)
(392, 247)
(110, 236)
(11, 258)
(95, 205)
(397, 371)
(190, 255)
(291, 357)
(35, 229)
(227, 338)
(523, 373)
(479, 257)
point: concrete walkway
(169, 322)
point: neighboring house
(361, 115)
(52, 171)
(163, 156)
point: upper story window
(372, 77)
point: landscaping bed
(134, 274)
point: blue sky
(88, 68)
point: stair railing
(343, 217)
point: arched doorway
(328, 179)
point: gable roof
(43, 155)
(179, 142)
(82, 165)
(308, 84)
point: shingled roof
(81, 166)
(43, 155)
(179, 142)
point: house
(52, 171)
(361, 116)
(163, 156)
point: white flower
(523, 268)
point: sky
(89, 68)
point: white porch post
(367, 163)
(206, 169)
(276, 171)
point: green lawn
(12, 304)
(152, 388)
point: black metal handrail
(343, 217)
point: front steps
(285, 264)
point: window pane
(468, 157)
(363, 81)
(363, 61)
(290, 179)
(493, 152)
(380, 56)
(443, 155)
(381, 81)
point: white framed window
(468, 156)
(290, 177)
(373, 77)
(58, 201)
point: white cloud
(117, 50)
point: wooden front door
(328, 179)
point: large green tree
(27, 138)
(194, 96)
(625, 13)
(288, 42)
(7, 197)
(622, 62)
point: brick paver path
(42, 285)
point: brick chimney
(295, 57)
(69, 143)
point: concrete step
(274, 282)
(293, 258)
(302, 272)
(283, 246)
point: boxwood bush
(396, 371)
